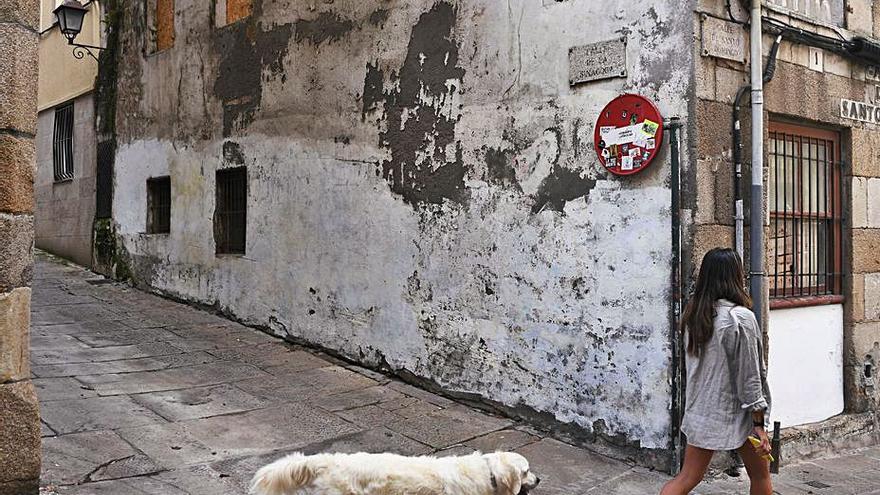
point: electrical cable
(730, 14)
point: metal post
(776, 448)
(756, 229)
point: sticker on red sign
(628, 134)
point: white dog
(501, 473)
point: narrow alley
(139, 394)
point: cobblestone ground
(141, 395)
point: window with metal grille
(805, 206)
(159, 205)
(62, 149)
(230, 213)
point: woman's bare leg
(758, 469)
(696, 461)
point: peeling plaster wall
(423, 193)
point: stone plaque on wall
(596, 61)
(723, 39)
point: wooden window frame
(224, 16)
(831, 291)
(231, 206)
(64, 125)
(158, 19)
(159, 205)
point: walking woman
(727, 395)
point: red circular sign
(628, 134)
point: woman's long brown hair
(721, 277)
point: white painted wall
(561, 312)
(806, 364)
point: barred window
(159, 205)
(62, 149)
(805, 213)
(230, 213)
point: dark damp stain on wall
(245, 51)
(232, 153)
(327, 27)
(378, 17)
(562, 185)
(499, 168)
(373, 87)
(417, 124)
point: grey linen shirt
(726, 382)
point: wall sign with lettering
(723, 39)
(596, 61)
(859, 110)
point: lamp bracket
(80, 51)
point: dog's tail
(283, 477)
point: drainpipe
(674, 126)
(756, 229)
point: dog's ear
(506, 474)
(283, 476)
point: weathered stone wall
(66, 210)
(423, 192)
(809, 96)
(20, 420)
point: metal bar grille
(805, 212)
(62, 149)
(159, 205)
(104, 179)
(230, 216)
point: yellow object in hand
(757, 443)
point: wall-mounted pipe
(769, 72)
(756, 216)
(674, 125)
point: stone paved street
(141, 395)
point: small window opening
(159, 205)
(230, 214)
(62, 149)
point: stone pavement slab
(199, 402)
(62, 388)
(171, 379)
(95, 413)
(143, 395)
(123, 365)
(72, 458)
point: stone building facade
(822, 208)
(419, 192)
(65, 184)
(414, 186)
(20, 418)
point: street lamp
(70, 15)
